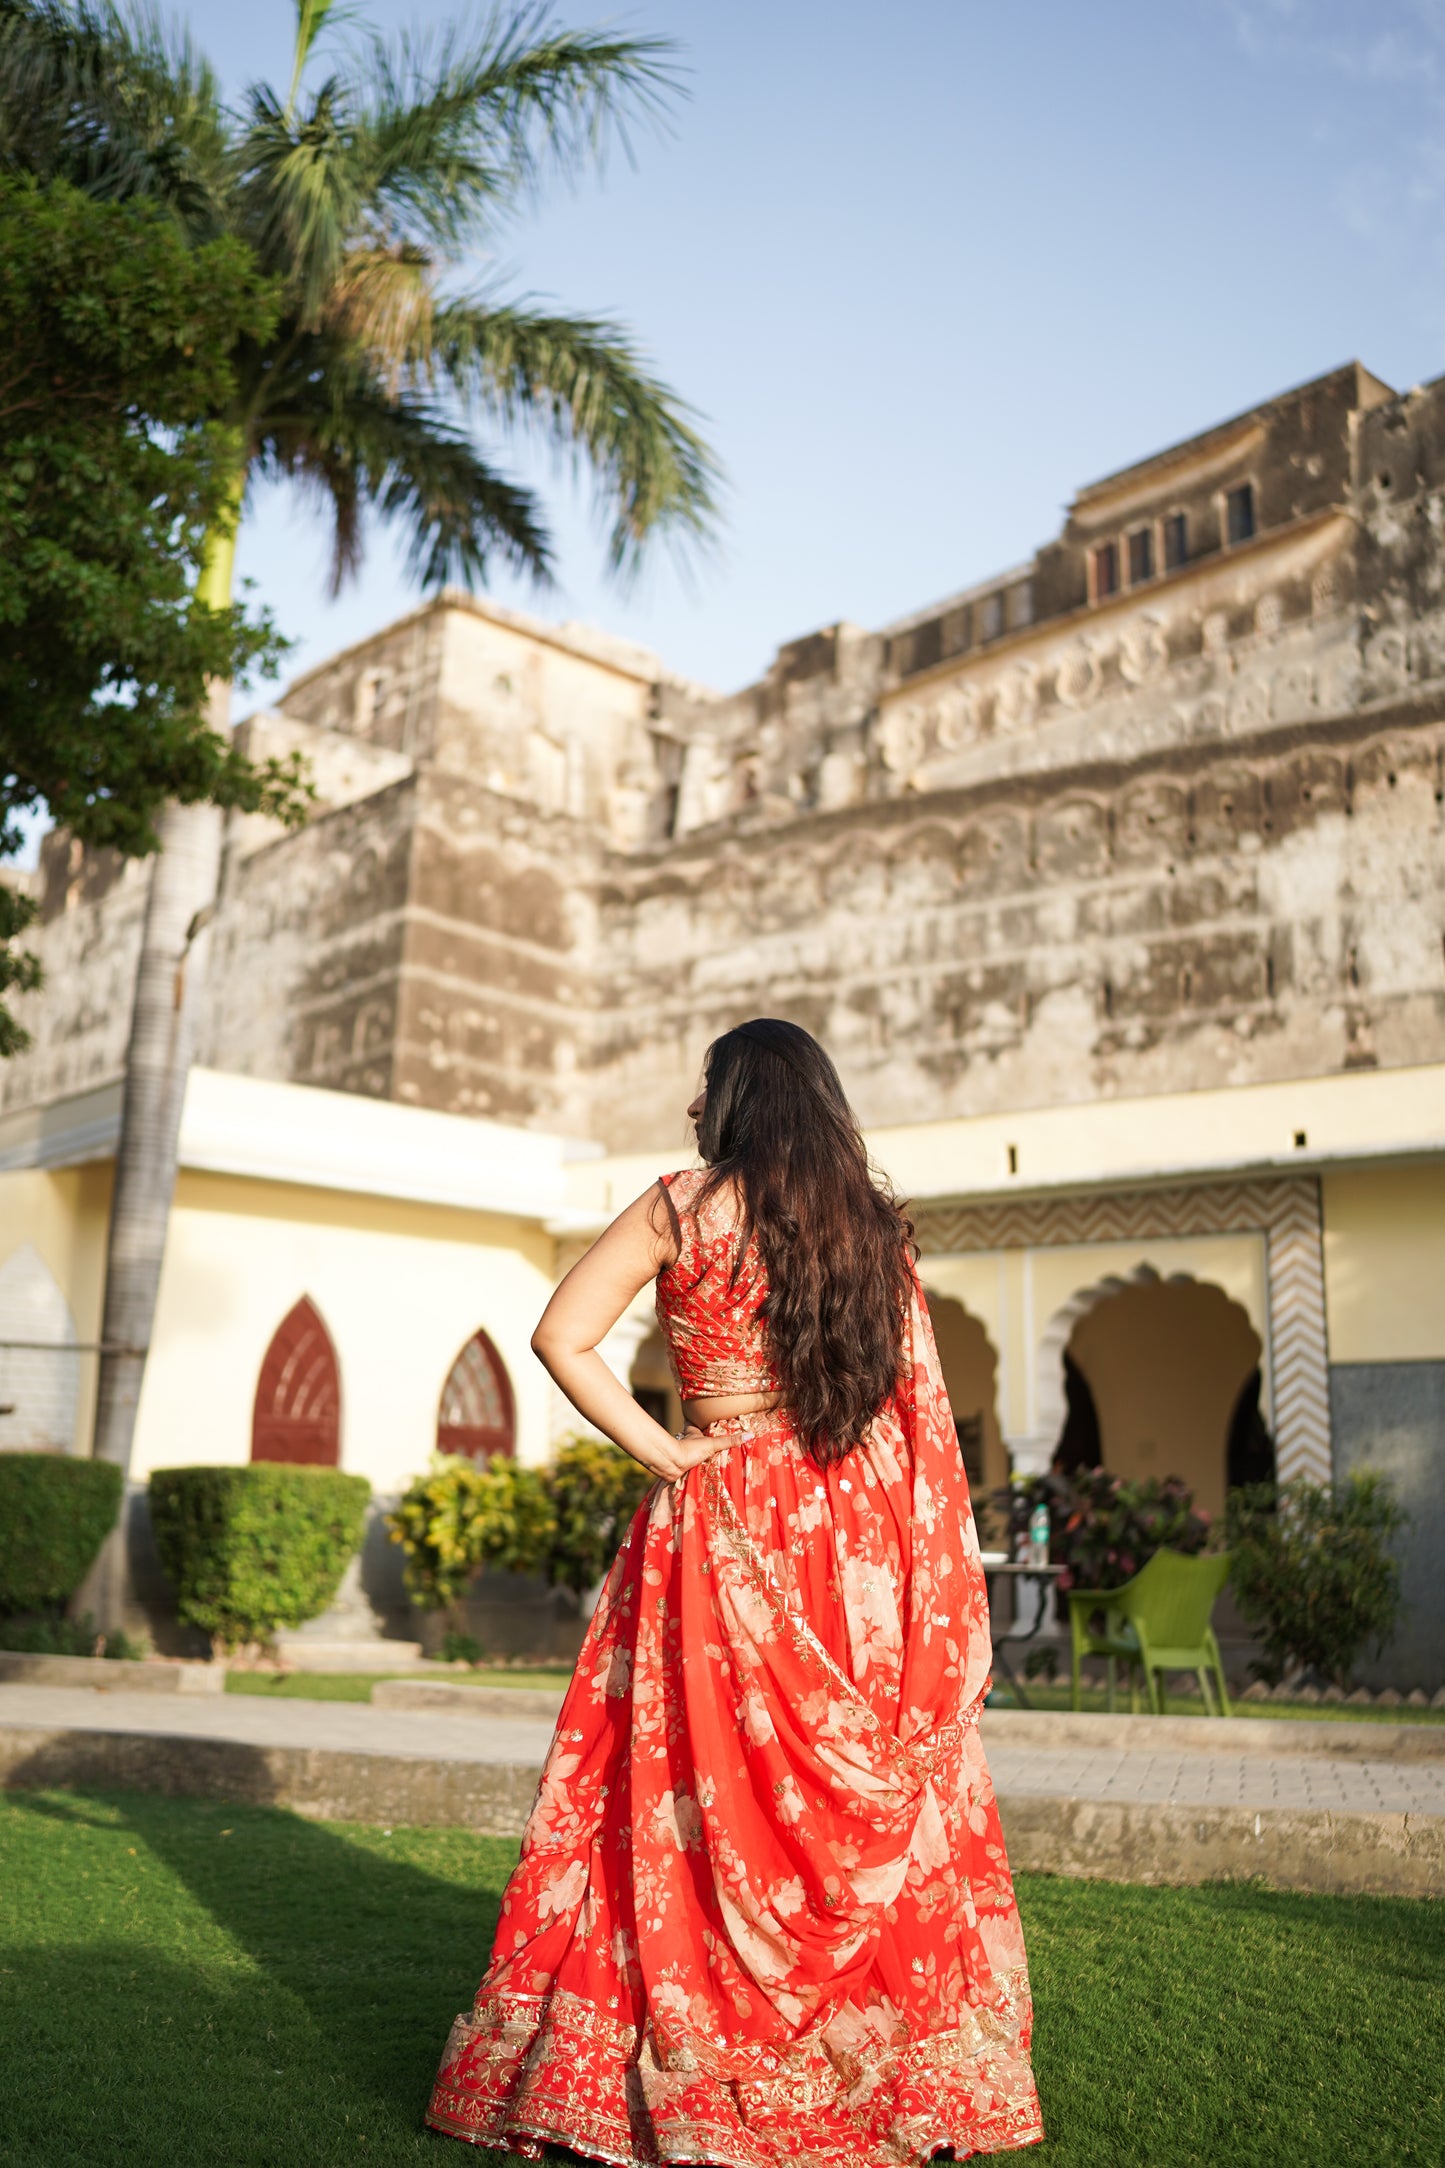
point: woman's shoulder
(715, 1212)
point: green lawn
(357, 1685)
(215, 1986)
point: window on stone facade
(1176, 541)
(1239, 513)
(370, 697)
(990, 617)
(1141, 555)
(1106, 570)
(1021, 603)
(477, 1414)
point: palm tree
(361, 197)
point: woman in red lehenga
(763, 1916)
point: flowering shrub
(1102, 1529)
(465, 1514)
(595, 1489)
(563, 1522)
(1112, 1528)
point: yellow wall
(1385, 1264)
(62, 1214)
(1166, 1363)
(401, 1287)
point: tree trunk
(170, 983)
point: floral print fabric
(763, 1916)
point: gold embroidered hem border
(528, 2071)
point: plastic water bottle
(1039, 1535)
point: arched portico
(1259, 1240)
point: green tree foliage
(54, 1514)
(254, 1548)
(116, 348)
(362, 199)
(563, 1522)
(116, 353)
(1314, 1573)
(19, 970)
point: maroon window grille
(477, 1414)
(297, 1416)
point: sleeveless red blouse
(710, 1301)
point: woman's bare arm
(582, 1312)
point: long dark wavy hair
(835, 1243)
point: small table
(1018, 1573)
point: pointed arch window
(477, 1414)
(297, 1416)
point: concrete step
(458, 1699)
(305, 1652)
(153, 1675)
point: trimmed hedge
(250, 1549)
(54, 1515)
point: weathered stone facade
(1157, 811)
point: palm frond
(582, 384)
(357, 445)
(311, 18)
(450, 127)
(299, 195)
(115, 104)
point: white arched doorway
(39, 1358)
(1166, 1361)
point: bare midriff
(718, 1407)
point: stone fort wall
(1159, 810)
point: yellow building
(353, 1281)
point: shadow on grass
(309, 2031)
(292, 2015)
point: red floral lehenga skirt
(763, 1916)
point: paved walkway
(1156, 1811)
(346, 1727)
(1230, 1780)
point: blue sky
(925, 268)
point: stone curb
(1329, 1854)
(1305, 1849)
(329, 1785)
(457, 1700)
(1274, 1736)
(158, 1675)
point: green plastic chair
(1155, 1623)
